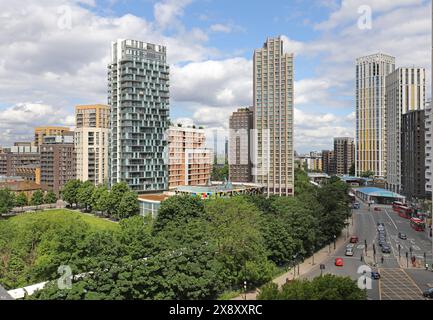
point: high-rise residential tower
(344, 152)
(240, 125)
(370, 141)
(328, 161)
(428, 148)
(405, 92)
(138, 79)
(91, 142)
(413, 154)
(273, 118)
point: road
(398, 282)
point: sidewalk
(307, 265)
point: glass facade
(139, 99)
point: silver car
(349, 251)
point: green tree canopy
(70, 191)
(84, 194)
(7, 200)
(50, 197)
(328, 287)
(235, 227)
(367, 174)
(21, 200)
(100, 200)
(180, 209)
(128, 206)
(37, 198)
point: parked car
(356, 205)
(377, 209)
(354, 239)
(382, 242)
(428, 293)
(402, 236)
(339, 262)
(375, 275)
(386, 248)
(380, 228)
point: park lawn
(94, 223)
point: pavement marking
(396, 284)
(391, 219)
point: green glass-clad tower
(138, 95)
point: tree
(7, 200)
(37, 198)
(298, 218)
(235, 227)
(21, 200)
(84, 195)
(179, 209)
(367, 174)
(334, 202)
(116, 195)
(220, 173)
(352, 170)
(50, 197)
(278, 240)
(70, 191)
(128, 206)
(328, 287)
(100, 200)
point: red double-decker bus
(417, 224)
(397, 204)
(404, 211)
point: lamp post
(335, 245)
(294, 265)
(347, 230)
(245, 280)
(313, 255)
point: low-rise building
(17, 187)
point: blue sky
(47, 66)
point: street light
(294, 265)
(335, 238)
(313, 255)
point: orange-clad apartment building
(190, 163)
